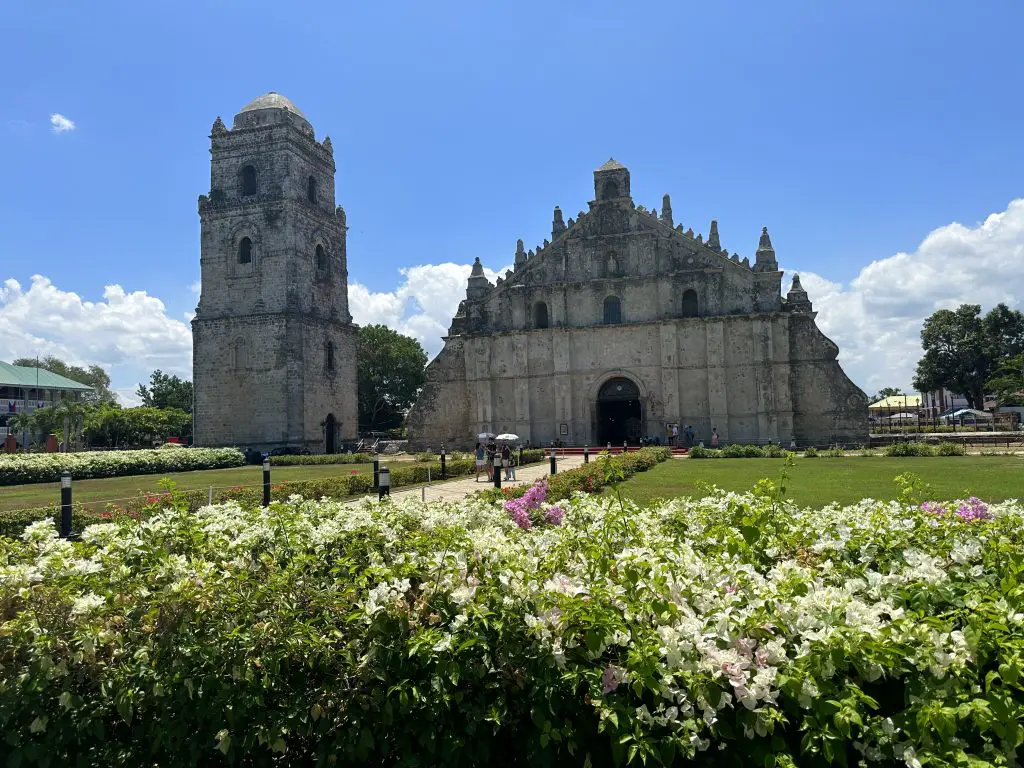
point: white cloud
(876, 320)
(421, 306)
(60, 123)
(129, 334)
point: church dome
(272, 100)
(272, 108)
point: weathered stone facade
(624, 323)
(274, 347)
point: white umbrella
(484, 435)
(507, 436)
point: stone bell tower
(274, 347)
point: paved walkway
(460, 488)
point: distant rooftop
(612, 165)
(897, 401)
(25, 376)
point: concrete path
(460, 488)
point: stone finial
(571, 222)
(736, 258)
(529, 254)
(218, 127)
(764, 259)
(666, 210)
(713, 242)
(520, 253)
(478, 285)
(508, 273)
(725, 252)
(546, 243)
(679, 227)
(700, 238)
(342, 217)
(326, 144)
(689, 232)
(796, 298)
(746, 262)
(557, 225)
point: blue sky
(851, 130)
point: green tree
(166, 391)
(113, 427)
(963, 349)
(93, 376)
(391, 372)
(1007, 384)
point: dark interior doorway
(619, 413)
(330, 433)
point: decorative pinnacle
(478, 268)
(765, 243)
(666, 210)
(796, 287)
(326, 143)
(218, 126)
(713, 243)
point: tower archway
(330, 433)
(619, 411)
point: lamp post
(266, 481)
(65, 504)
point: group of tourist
(486, 456)
(689, 436)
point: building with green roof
(23, 389)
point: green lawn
(45, 494)
(817, 482)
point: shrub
(732, 451)
(909, 449)
(324, 458)
(700, 452)
(834, 452)
(47, 467)
(950, 449)
(732, 630)
(810, 452)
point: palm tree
(72, 414)
(22, 423)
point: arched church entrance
(619, 412)
(330, 432)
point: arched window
(540, 315)
(245, 251)
(689, 303)
(311, 190)
(612, 310)
(248, 181)
(330, 355)
(321, 259)
(610, 189)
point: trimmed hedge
(16, 469)
(589, 477)
(323, 458)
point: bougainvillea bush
(47, 467)
(732, 630)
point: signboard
(563, 429)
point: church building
(274, 347)
(624, 324)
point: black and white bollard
(609, 446)
(266, 481)
(376, 470)
(444, 467)
(625, 446)
(497, 471)
(520, 455)
(554, 463)
(384, 483)
(586, 454)
(65, 504)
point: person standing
(506, 460)
(481, 455)
(675, 435)
(714, 437)
(492, 452)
